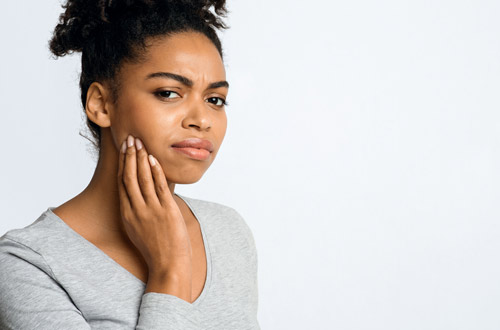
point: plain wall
(363, 150)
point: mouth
(195, 148)
(195, 153)
(196, 143)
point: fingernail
(124, 147)
(130, 141)
(138, 143)
(151, 160)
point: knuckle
(162, 187)
(143, 181)
(127, 179)
(156, 209)
(142, 214)
(126, 216)
(141, 157)
(130, 151)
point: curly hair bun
(83, 20)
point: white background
(363, 150)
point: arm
(249, 251)
(252, 255)
(31, 298)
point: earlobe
(97, 106)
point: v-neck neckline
(208, 278)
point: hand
(150, 215)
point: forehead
(190, 54)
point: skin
(129, 209)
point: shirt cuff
(166, 311)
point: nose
(197, 115)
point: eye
(219, 101)
(165, 94)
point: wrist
(173, 283)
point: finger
(144, 175)
(130, 176)
(122, 193)
(161, 185)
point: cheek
(130, 118)
(155, 126)
(222, 127)
(136, 115)
(120, 126)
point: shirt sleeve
(251, 256)
(31, 298)
(152, 313)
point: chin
(185, 180)
(184, 177)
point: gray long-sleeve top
(53, 278)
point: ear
(98, 107)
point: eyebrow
(184, 80)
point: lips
(195, 143)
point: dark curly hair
(107, 32)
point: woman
(128, 252)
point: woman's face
(177, 93)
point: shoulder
(28, 284)
(224, 218)
(16, 258)
(31, 249)
(214, 210)
(20, 262)
(35, 236)
(206, 206)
